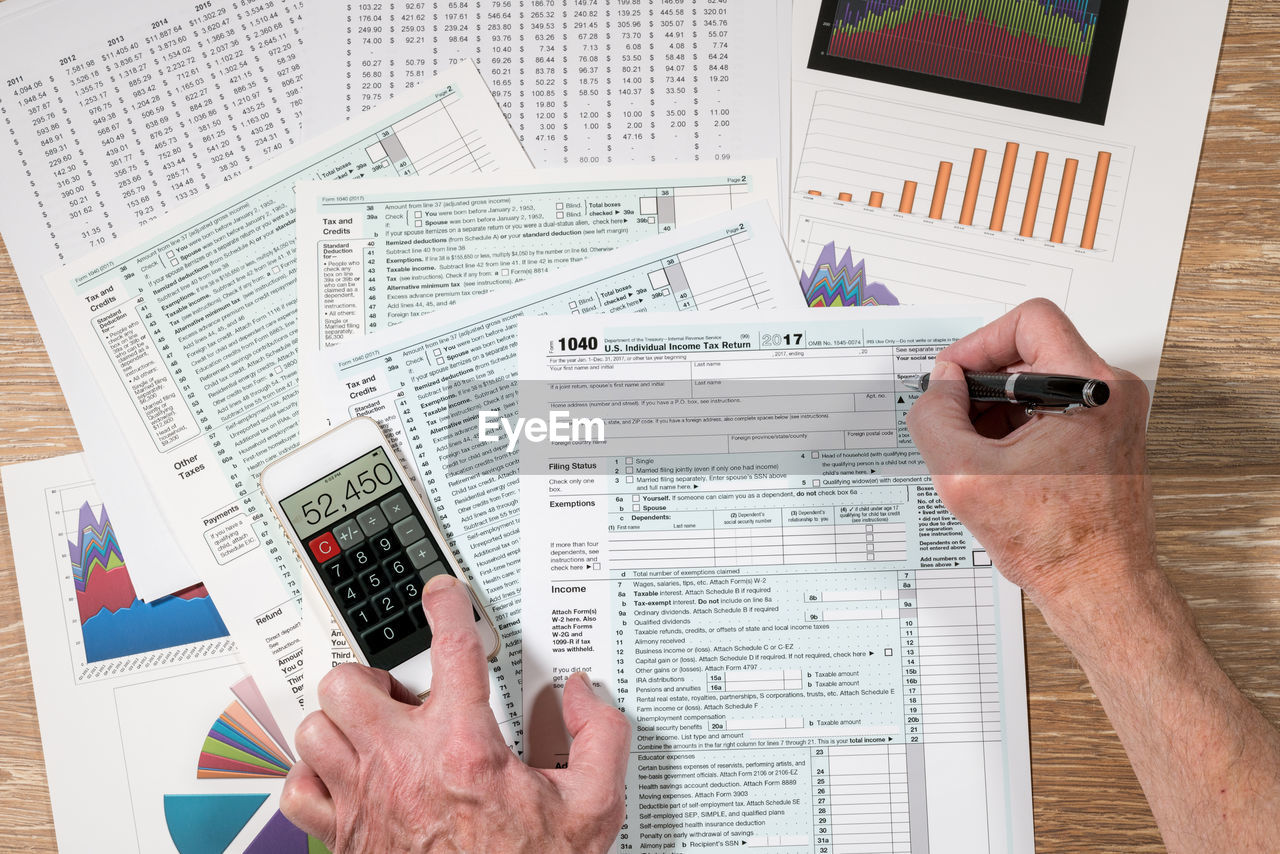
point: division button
(371, 521)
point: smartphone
(369, 544)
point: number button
(362, 616)
(371, 521)
(384, 544)
(361, 558)
(385, 635)
(397, 568)
(324, 547)
(375, 582)
(410, 590)
(335, 571)
(387, 603)
(348, 595)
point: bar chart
(998, 180)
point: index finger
(459, 673)
(1035, 333)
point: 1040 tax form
(815, 655)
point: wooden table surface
(1215, 459)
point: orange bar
(908, 197)
(1033, 194)
(971, 189)
(815, 192)
(940, 190)
(877, 199)
(846, 197)
(1006, 182)
(1064, 200)
(1095, 199)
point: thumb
(601, 741)
(940, 425)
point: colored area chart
(236, 747)
(113, 621)
(831, 284)
(1039, 47)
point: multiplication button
(396, 507)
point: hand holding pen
(1052, 499)
(1048, 393)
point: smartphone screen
(373, 552)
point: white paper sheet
(112, 115)
(856, 136)
(404, 247)
(426, 380)
(612, 82)
(126, 694)
(189, 328)
(754, 565)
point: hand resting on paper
(1063, 504)
(380, 772)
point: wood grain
(1215, 458)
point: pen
(1037, 392)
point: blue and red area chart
(113, 621)
(109, 629)
(1056, 57)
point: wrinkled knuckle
(1044, 308)
(310, 735)
(467, 760)
(339, 683)
(292, 801)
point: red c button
(324, 547)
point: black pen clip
(1045, 409)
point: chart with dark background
(1055, 57)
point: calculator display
(373, 552)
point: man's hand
(1057, 501)
(381, 773)
(1063, 505)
